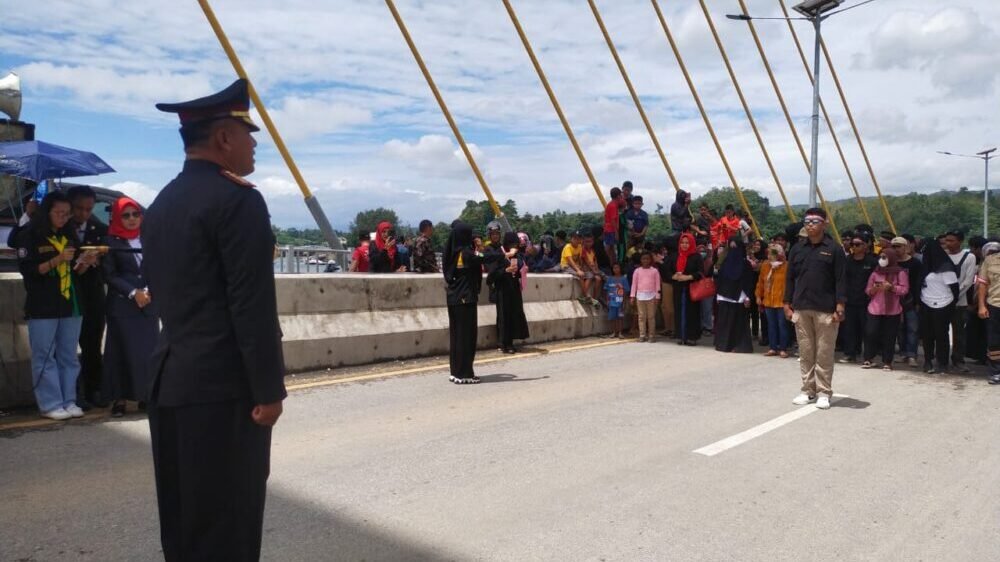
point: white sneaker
(802, 399)
(74, 411)
(823, 402)
(58, 414)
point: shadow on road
(504, 377)
(852, 403)
(109, 472)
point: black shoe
(929, 368)
(118, 410)
(509, 351)
(84, 404)
(691, 343)
(96, 401)
(995, 379)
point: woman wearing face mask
(886, 286)
(770, 295)
(133, 324)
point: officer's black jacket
(207, 257)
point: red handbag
(702, 289)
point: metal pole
(704, 115)
(555, 102)
(826, 116)
(986, 198)
(857, 135)
(447, 115)
(814, 158)
(635, 96)
(311, 203)
(746, 109)
(788, 118)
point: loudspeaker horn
(10, 96)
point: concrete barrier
(334, 320)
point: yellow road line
(441, 366)
(29, 424)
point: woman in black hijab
(938, 296)
(504, 278)
(463, 273)
(733, 287)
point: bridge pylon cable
(635, 96)
(555, 102)
(447, 115)
(704, 115)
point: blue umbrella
(37, 160)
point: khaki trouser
(817, 335)
(647, 318)
(667, 306)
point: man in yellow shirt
(572, 262)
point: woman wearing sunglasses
(133, 324)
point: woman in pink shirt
(646, 295)
(887, 285)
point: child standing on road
(646, 295)
(616, 287)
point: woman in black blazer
(133, 324)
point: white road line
(757, 431)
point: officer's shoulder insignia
(235, 179)
(22, 252)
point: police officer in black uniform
(217, 369)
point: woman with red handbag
(686, 267)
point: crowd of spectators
(878, 297)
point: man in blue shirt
(638, 222)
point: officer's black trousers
(212, 464)
(463, 331)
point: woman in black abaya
(733, 288)
(504, 277)
(463, 268)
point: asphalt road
(581, 455)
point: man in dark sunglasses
(860, 265)
(815, 296)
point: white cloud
(359, 117)
(138, 191)
(435, 154)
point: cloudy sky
(344, 91)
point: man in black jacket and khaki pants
(217, 369)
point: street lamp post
(985, 156)
(814, 11)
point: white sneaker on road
(823, 402)
(802, 399)
(59, 414)
(74, 411)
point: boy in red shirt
(611, 218)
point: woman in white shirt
(938, 297)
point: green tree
(368, 220)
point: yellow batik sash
(65, 273)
